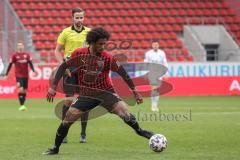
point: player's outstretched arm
(59, 73)
(123, 73)
(31, 65)
(8, 68)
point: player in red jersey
(93, 65)
(21, 60)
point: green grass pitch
(203, 128)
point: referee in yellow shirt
(69, 39)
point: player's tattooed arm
(59, 73)
(123, 73)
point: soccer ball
(158, 143)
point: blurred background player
(1, 66)
(69, 39)
(155, 55)
(21, 60)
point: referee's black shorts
(69, 83)
(22, 82)
(106, 99)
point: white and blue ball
(158, 143)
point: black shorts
(105, 99)
(68, 85)
(22, 82)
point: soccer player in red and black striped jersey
(93, 65)
(21, 60)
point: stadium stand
(128, 19)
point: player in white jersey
(1, 65)
(155, 55)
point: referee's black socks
(21, 98)
(84, 119)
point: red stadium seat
(125, 28)
(180, 20)
(163, 20)
(131, 36)
(38, 29)
(33, 6)
(126, 5)
(198, 13)
(164, 36)
(165, 12)
(41, 5)
(185, 52)
(162, 44)
(171, 20)
(201, 5)
(190, 58)
(46, 29)
(117, 28)
(118, 5)
(156, 35)
(28, 13)
(147, 12)
(151, 28)
(22, 6)
(209, 5)
(139, 36)
(189, 12)
(45, 13)
(135, 5)
(177, 28)
(159, 5)
(173, 35)
(147, 36)
(173, 13)
(52, 37)
(193, 5)
(180, 58)
(142, 28)
(168, 5)
(127, 20)
(122, 36)
(179, 44)
(217, 5)
(151, 5)
(182, 12)
(139, 21)
(170, 44)
(67, 6)
(36, 13)
(184, 5)
(176, 5)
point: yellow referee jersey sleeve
(71, 39)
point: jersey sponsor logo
(22, 61)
